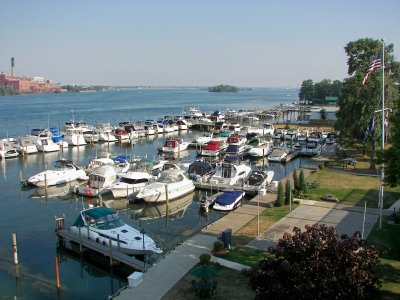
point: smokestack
(12, 67)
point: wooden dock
(251, 191)
(106, 250)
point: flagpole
(383, 136)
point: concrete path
(345, 218)
(159, 279)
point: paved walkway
(159, 279)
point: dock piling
(57, 272)
(14, 246)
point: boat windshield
(167, 177)
(108, 222)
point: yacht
(174, 145)
(230, 172)
(64, 171)
(25, 145)
(258, 180)
(7, 150)
(171, 184)
(262, 149)
(278, 155)
(129, 183)
(104, 225)
(99, 182)
(44, 142)
(105, 131)
(228, 200)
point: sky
(247, 43)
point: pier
(108, 251)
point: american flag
(376, 64)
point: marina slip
(86, 119)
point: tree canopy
(311, 91)
(223, 88)
(317, 264)
(361, 103)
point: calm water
(31, 216)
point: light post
(142, 231)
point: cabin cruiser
(105, 131)
(303, 135)
(201, 141)
(228, 200)
(264, 148)
(279, 133)
(291, 134)
(215, 147)
(315, 136)
(278, 155)
(90, 136)
(103, 225)
(58, 137)
(99, 183)
(258, 180)
(64, 171)
(171, 181)
(230, 172)
(25, 145)
(201, 171)
(7, 150)
(129, 183)
(43, 141)
(311, 148)
(174, 145)
(122, 135)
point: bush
(218, 246)
(281, 197)
(321, 167)
(205, 258)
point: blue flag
(370, 127)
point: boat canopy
(100, 217)
(200, 168)
(232, 148)
(228, 197)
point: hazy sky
(269, 43)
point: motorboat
(174, 145)
(105, 131)
(149, 127)
(176, 209)
(311, 148)
(99, 183)
(104, 226)
(278, 154)
(170, 184)
(214, 148)
(44, 141)
(182, 124)
(74, 136)
(58, 137)
(291, 134)
(279, 133)
(228, 200)
(268, 129)
(129, 183)
(258, 180)
(25, 145)
(315, 136)
(201, 141)
(7, 150)
(64, 171)
(303, 135)
(262, 149)
(230, 172)
(122, 135)
(201, 171)
(90, 136)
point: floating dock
(111, 252)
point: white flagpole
(383, 136)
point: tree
(307, 90)
(281, 197)
(302, 182)
(359, 102)
(317, 264)
(288, 192)
(322, 112)
(295, 180)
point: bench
(313, 184)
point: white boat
(129, 183)
(203, 140)
(261, 150)
(182, 124)
(63, 171)
(44, 141)
(278, 155)
(230, 173)
(279, 133)
(311, 148)
(105, 131)
(201, 171)
(103, 225)
(122, 135)
(214, 147)
(74, 136)
(315, 136)
(172, 181)
(303, 135)
(90, 136)
(25, 145)
(268, 129)
(228, 200)
(7, 150)
(258, 180)
(99, 183)
(174, 145)
(291, 134)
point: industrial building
(27, 84)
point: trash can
(226, 237)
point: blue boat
(228, 200)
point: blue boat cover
(122, 158)
(228, 197)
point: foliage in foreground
(317, 264)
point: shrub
(288, 192)
(295, 180)
(205, 258)
(281, 197)
(218, 246)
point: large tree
(359, 103)
(317, 264)
(307, 90)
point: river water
(32, 217)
